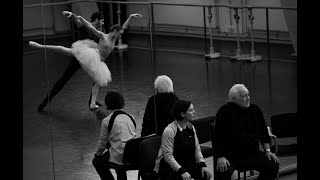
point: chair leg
(139, 175)
(244, 175)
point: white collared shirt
(123, 130)
(167, 143)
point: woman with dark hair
(179, 156)
(122, 129)
(91, 55)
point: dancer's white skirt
(88, 55)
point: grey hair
(234, 91)
(163, 84)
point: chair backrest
(284, 125)
(203, 129)
(131, 150)
(149, 151)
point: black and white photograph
(161, 90)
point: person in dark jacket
(240, 126)
(157, 114)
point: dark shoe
(41, 107)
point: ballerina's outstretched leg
(54, 48)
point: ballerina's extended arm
(125, 24)
(74, 17)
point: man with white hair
(240, 126)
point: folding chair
(149, 151)
(131, 156)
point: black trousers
(167, 173)
(72, 67)
(101, 164)
(268, 169)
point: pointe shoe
(93, 107)
(97, 103)
(41, 107)
(34, 44)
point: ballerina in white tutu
(92, 55)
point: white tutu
(88, 55)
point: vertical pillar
(212, 54)
(237, 17)
(120, 45)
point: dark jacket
(159, 107)
(85, 33)
(239, 130)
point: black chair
(131, 155)
(149, 151)
(240, 170)
(285, 126)
(202, 127)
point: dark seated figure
(157, 114)
(239, 127)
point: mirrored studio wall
(204, 49)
